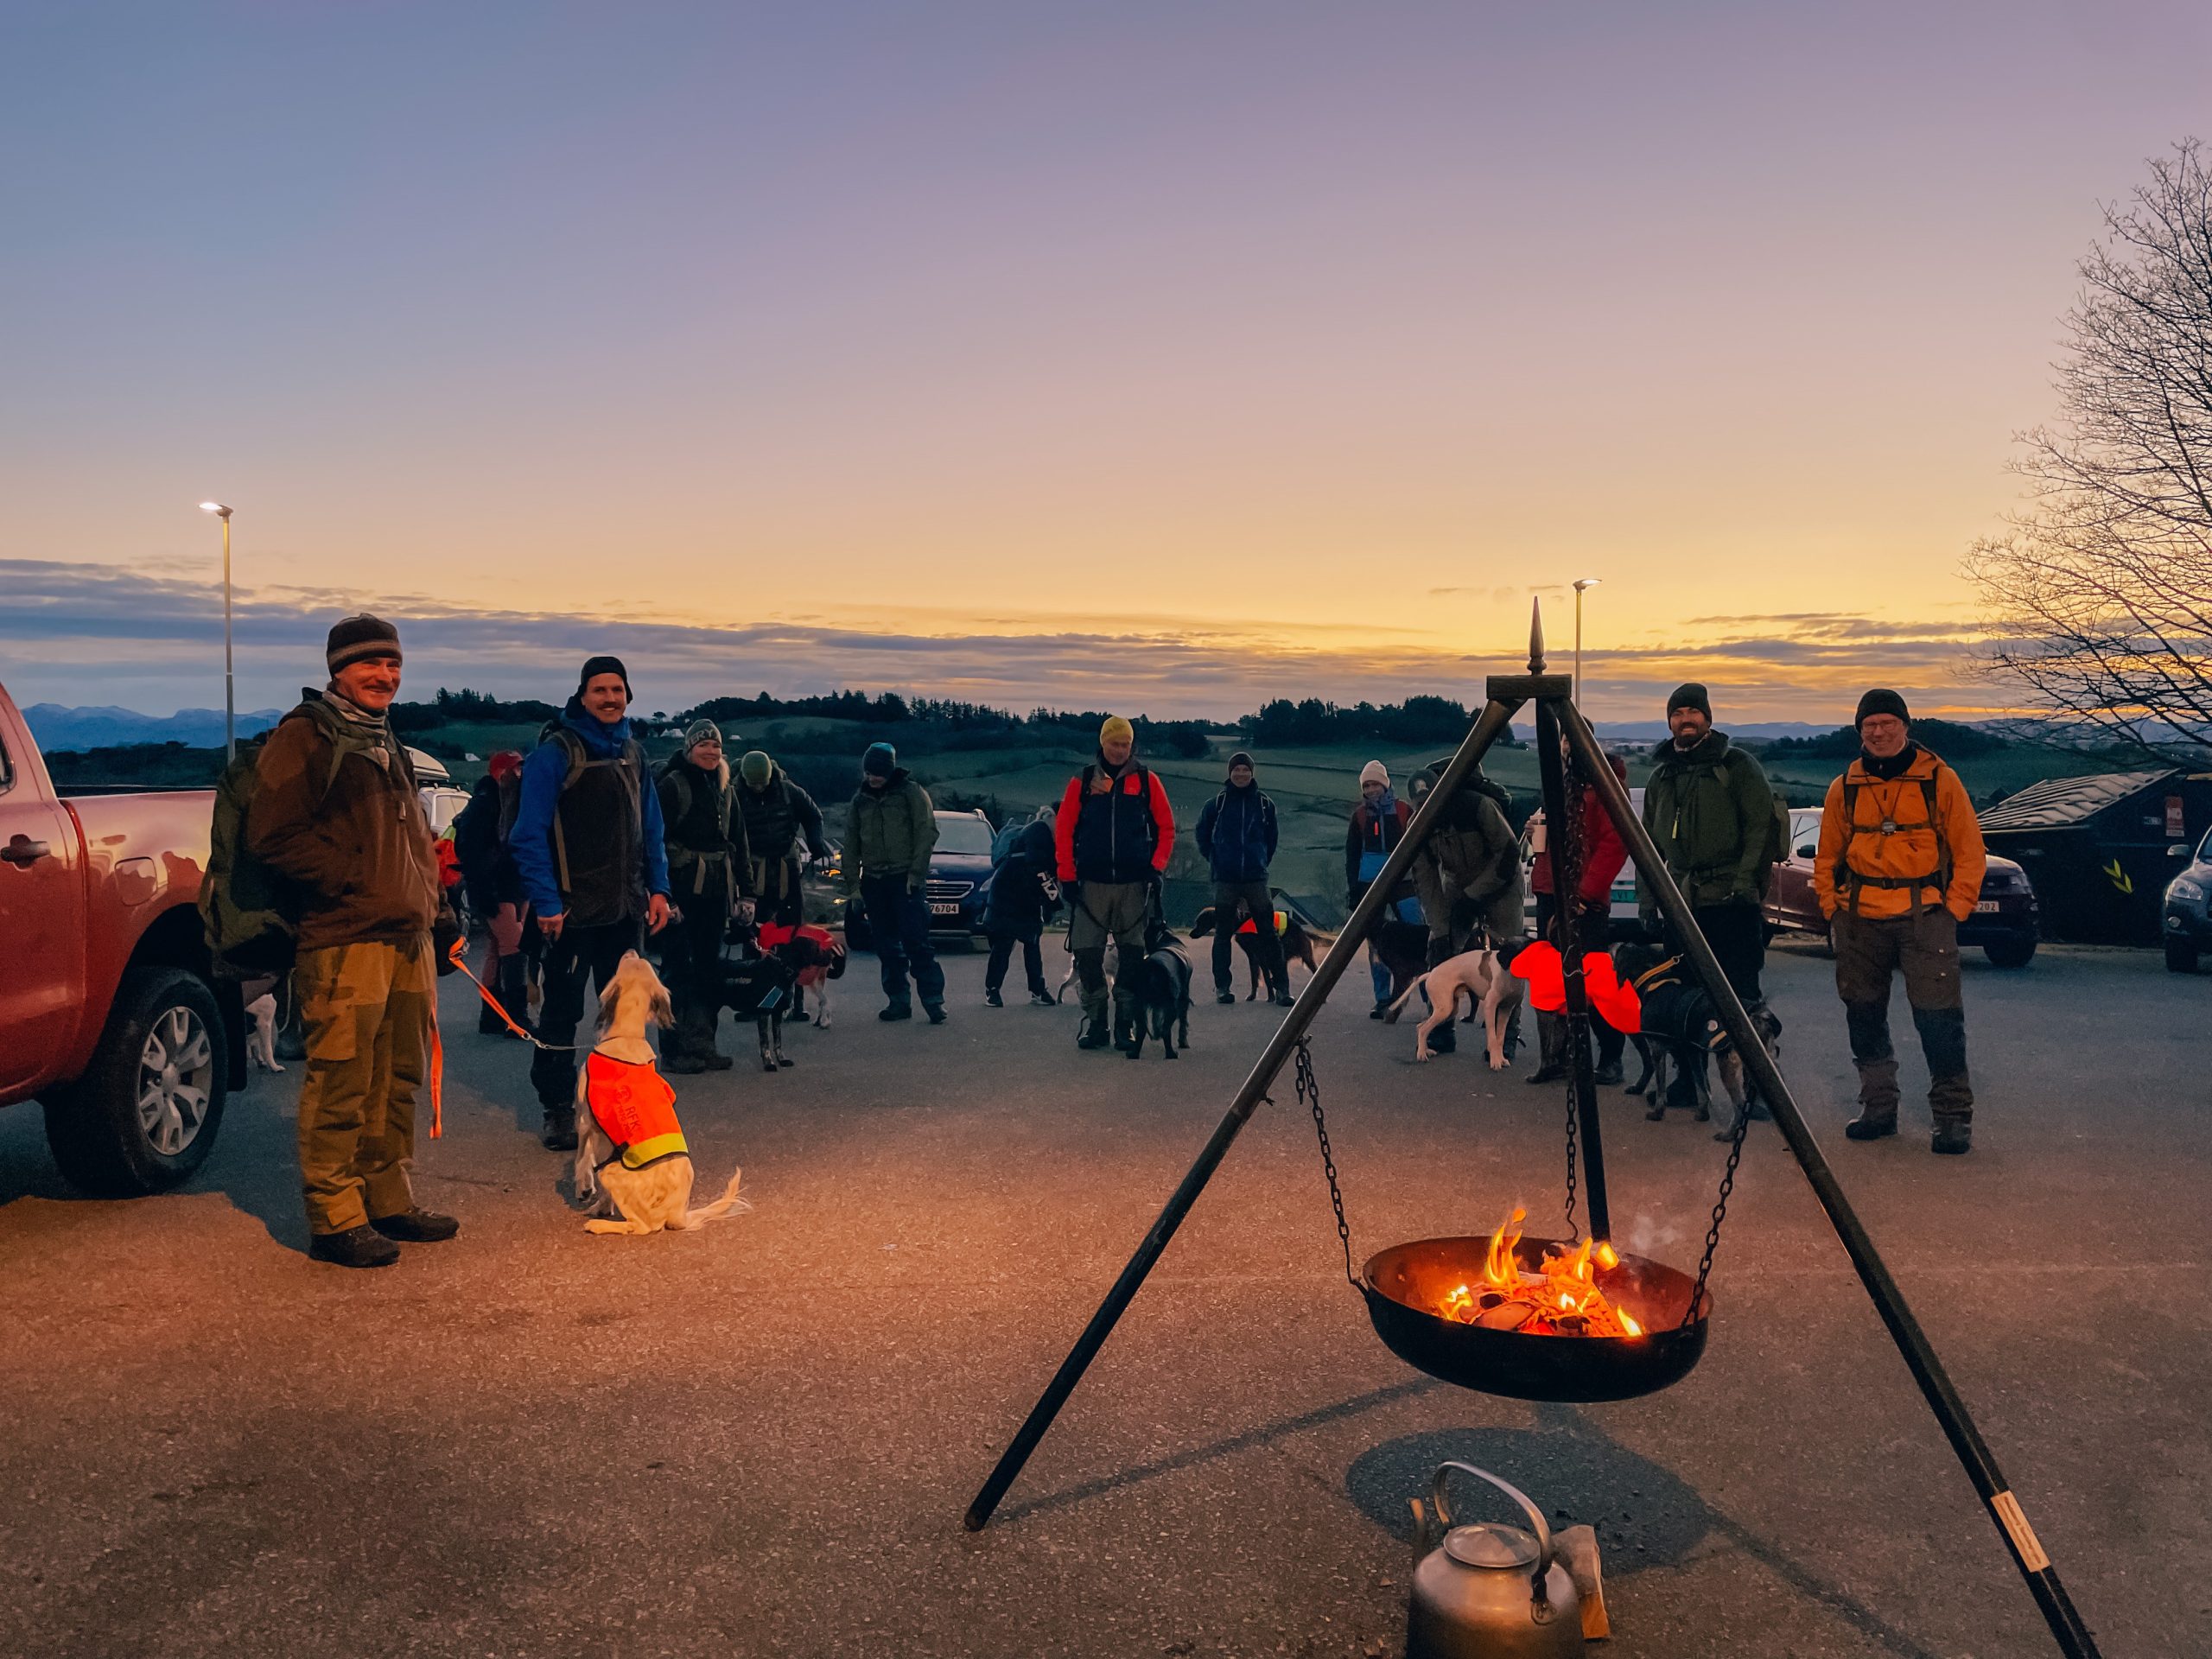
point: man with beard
(1113, 835)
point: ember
(1562, 1300)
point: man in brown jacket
(335, 809)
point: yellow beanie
(1117, 729)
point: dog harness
(1282, 925)
(635, 1108)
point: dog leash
(460, 946)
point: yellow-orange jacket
(1883, 853)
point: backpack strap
(1849, 881)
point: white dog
(261, 1032)
(1486, 982)
(631, 1160)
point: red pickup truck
(109, 1015)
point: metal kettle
(1492, 1591)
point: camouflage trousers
(366, 1009)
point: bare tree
(2098, 600)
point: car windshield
(962, 832)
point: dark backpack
(249, 910)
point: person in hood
(890, 831)
(1468, 876)
(1710, 814)
(1236, 836)
(1112, 837)
(495, 888)
(1024, 895)
(593, 852)
(782, 822)
(336, 809)
(1583, 917)
(1898, 868)
(1379, 824)
(710, 873)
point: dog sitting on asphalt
(1163, 993)
(1296, 938)
(1479, 975)
(633, 1166)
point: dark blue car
(959, 884)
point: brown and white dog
(1479, 975)
(643, 1184)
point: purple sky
(1150, 353)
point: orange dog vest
(635, 1108)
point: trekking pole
(1486, 730)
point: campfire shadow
(1646, 1515)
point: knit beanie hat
(1880, 701)
(880, 761)
(598, 665)
(702, 731)
(1239, 758)
(355, 639)
(1691, 694)
(1117, 729)
(1375, 773)
(756, 768)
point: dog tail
(1404, 997)
(721, 1206)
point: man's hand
(550, 926)
(746, 910)
(655, 912)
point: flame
(1561, 1298)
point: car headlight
(2186, 889)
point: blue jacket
(1236, 834)
(530, 840)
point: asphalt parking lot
(760, 1438)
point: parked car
(957, 888)
(2187, 926)
(2006, 922)
(111, 1014)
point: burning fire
(1561, 1300)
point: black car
(959, 884)
(2186, 922)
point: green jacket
(1709, 811)
(890, 832)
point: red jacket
(1082, 853)
(1602, 852)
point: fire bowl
(1405, 1283)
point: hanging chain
(1574, 1227)
(1309, 1090)
(1719, 1210)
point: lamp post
(1587, 581)
(230, 698)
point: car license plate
(944, 909)
(1986, 907)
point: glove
(746, 909)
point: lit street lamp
(1587, 581)
(230, 697)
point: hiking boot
(683, 1065)
(1550, 1072)
(717, 1062)
(1379, 1011)
(935, 1011)
(357, 1247)
(1283, 999)
(559, 1134)
(417, 1226)
(993, 1000)
(1091, 1034)
(1444, 1039)
(896, 1011)
(1042, 1000)
(1870, 1125)
(1952, 1135)
(1222, 994)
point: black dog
(1163, 993)
(1296, 939)
(1679, 1017)
(758, 989)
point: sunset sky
(1161, 357)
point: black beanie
(879, 760)
(355, 638)
(598, 665)
(1880, 701)
(1239, 758)
(1691, 694)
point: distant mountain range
(58, 729)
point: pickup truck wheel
(144, 1115)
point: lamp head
(215, 507)
(1587, 582)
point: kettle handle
(1535, 1515)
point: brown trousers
(367, 1010)
(1924, 946)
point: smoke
(1648, 1237)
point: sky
(1159, 357)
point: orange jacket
(1883, 853)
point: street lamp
(230, 698)
(1587, 581)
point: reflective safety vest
(1282, 925)
(635, 1108)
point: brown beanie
(354, 638)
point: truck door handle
(22, 849)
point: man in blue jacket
(1236, 836)
(588, 841)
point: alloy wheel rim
(177, 1078)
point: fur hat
(356, 639)
(756, 768)
(595, 667)
(1881, 702)
(1375, 773)
(880, 761)
(1691, 694)
(1116, 728)
(702, 731)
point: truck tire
(145, 1114)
